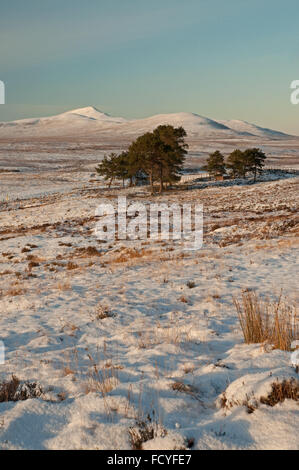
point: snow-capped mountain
(90, 121)
(90, 112)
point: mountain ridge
(91, 120)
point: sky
(232, 59)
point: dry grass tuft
(281, 391)
(274, 323)
(181, 387)
(145, 430)
(131, 254)
(101, 380)
(191, 284)
(70, 266)
(102, 312)
(286, 390)
(14, 390)
(88, 252)
(64, 286)
(68, 371)
(14, 291)
(32, 264)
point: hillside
(90, 121)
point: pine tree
(215, 165)
(172, 151)
(236, 163)
(122, 167)
(143, 157)
(109, 167)
(159, 154)
(255, 160)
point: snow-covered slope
(113, 333)
(90, 121)
(90, 112)
(252, 129)
(193, 123)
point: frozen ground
(112, 332)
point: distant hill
(91, 121)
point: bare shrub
(15, 390)
(261, 321)
(191, 284)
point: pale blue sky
(231, 59)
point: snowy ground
(163, 349)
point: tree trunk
(161, 180)
(151, 182)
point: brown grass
(101, 380)
(32, 264)
(281, 391)
(145, 430)
(261, 321)
(191, 284)
(286, 390)
(181, 387)
(130, 254)
(88, 252)
(63, 286)
(102, 312)
(14, 390)
(70, 266)
(14, 291)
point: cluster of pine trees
(159, 156)
(238, 163)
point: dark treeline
(159, 157)
(238, 163)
